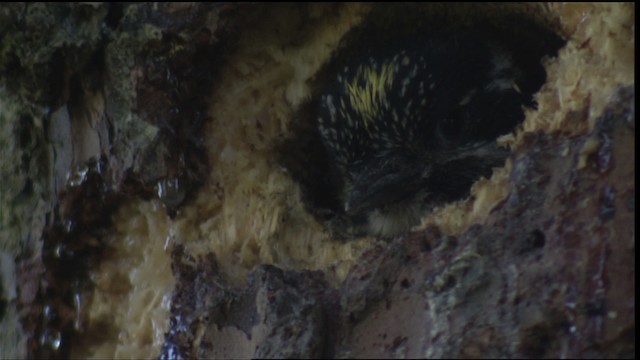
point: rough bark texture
(279, 314)
(549, 275)
(98, 103)
(104, 103)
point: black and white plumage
(412, 128)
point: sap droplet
(78, 176)
(171, 191)
(51, 338)
(77, 302)
(69, 225)
(49, 313)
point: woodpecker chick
(412, 128)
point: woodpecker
(413, 127)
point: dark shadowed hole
(536, 239)
(304, 156)
(405, 283)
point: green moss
(63, 65)
(24, 172)
(50, 55)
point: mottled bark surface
(101, 104)
(279, 314)
(98, 103)
(551, 274)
